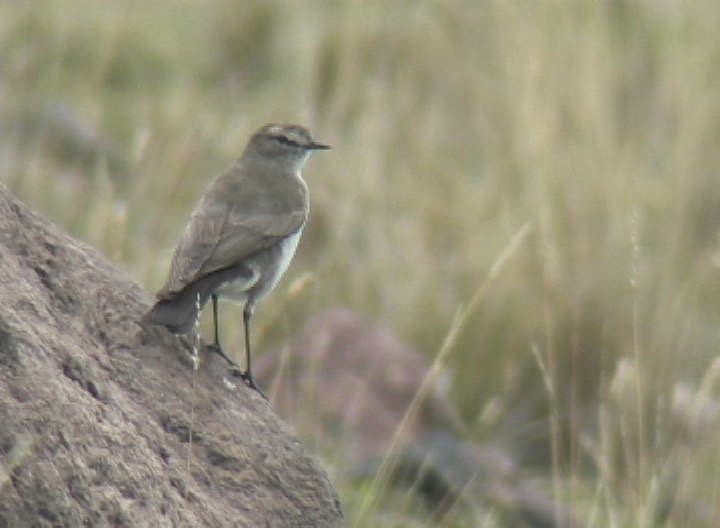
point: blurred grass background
(453, 125)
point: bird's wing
(228, 226)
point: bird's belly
(267, 267)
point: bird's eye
(283, 140)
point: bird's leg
(247, 375)
(215, 320)
(215, 347)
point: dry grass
(453, 125)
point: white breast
(287, 252)
(267, 267)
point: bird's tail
(178, 311)
(177, 314)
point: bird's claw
(249, 381)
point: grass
(593, 354)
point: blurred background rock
(589, 361)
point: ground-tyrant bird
(242, 235)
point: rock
(96, 411)
(57, 130)
(348, 383)
(347, 375)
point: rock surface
(95, 410)
(347, 375)
(349, 383)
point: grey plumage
(243, 233)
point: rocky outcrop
(354, 385)
(96, 411)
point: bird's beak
(318, 146)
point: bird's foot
(215, 347)
(249, 381)
(236, 370)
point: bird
(241, 236)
